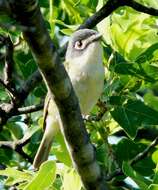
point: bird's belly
(88, 89)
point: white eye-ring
(79, 45)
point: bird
(84, 65)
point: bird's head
(84, 46)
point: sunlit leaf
(15, 176)
(71, 180)
(44, 177)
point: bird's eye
(79, 45)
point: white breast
(87, 77)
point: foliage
(130, 95)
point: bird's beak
(96, 37)
(93, 38)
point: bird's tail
(43, 151)
(45, 146)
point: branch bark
(28, 13)
(18, 147)
(111, 6)
(30, 109)
(9, 110)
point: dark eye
(79, 45)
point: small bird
(84, 66)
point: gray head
(81, 42)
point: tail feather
(43, 152)
(51, 126)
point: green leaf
(67, 32)
(71, 27)
(134, 114)
(142, 182)
(153, 187)
(44, 3)
(142, 71)
(71, 180)
(148, 55)
(61, 151)
(155, 179)
(151, 100)
(16, 128)
(126, 149)
(15, 176)
(116, 100)
(44, 178)
(126, 33)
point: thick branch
(105, 11)
(59, 85)
(111, 6)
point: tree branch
(141, 8)
(18, 147)
(107, 9)
(8, 69)
(60, 87)
(111, 6)
(135, 160)
(17, 97)
(30, 84)
(7, 87)
(97, 117)
(9, 110)
(30, 109)
(143, 154)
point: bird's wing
(45, 111)
(66, 64)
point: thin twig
(30, 109)
(135, 160)
(97, 117)
(141, 8)
(13, 27)
(8, 88)
(9, 62)
(18, 147)
(143, 154)
(30, 84)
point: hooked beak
(96, 37)
(92, 38)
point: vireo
(84, 66)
